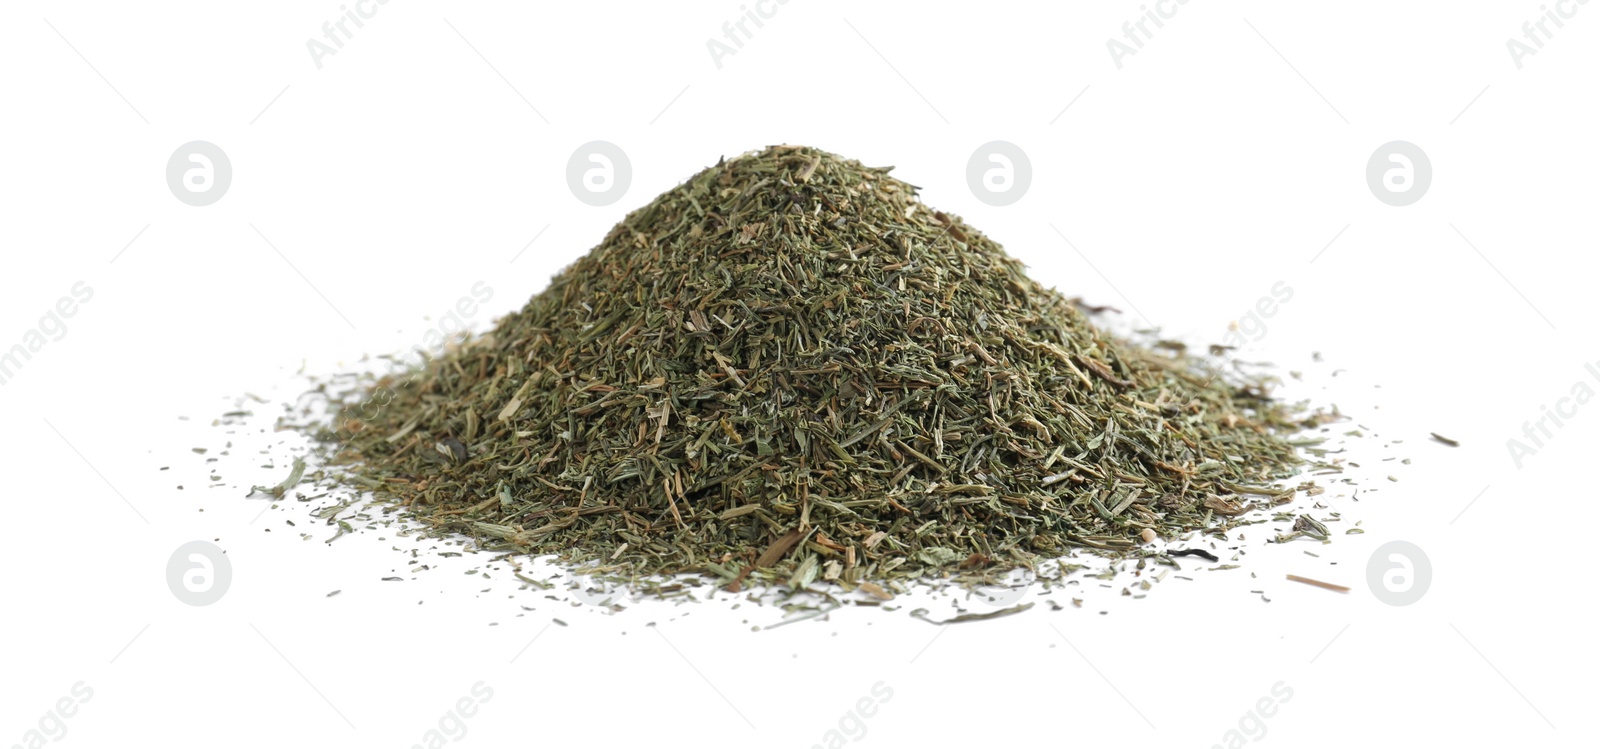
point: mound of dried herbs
(789, 368)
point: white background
(1219, 160)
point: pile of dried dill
(788, 368)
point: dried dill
(789, 370)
